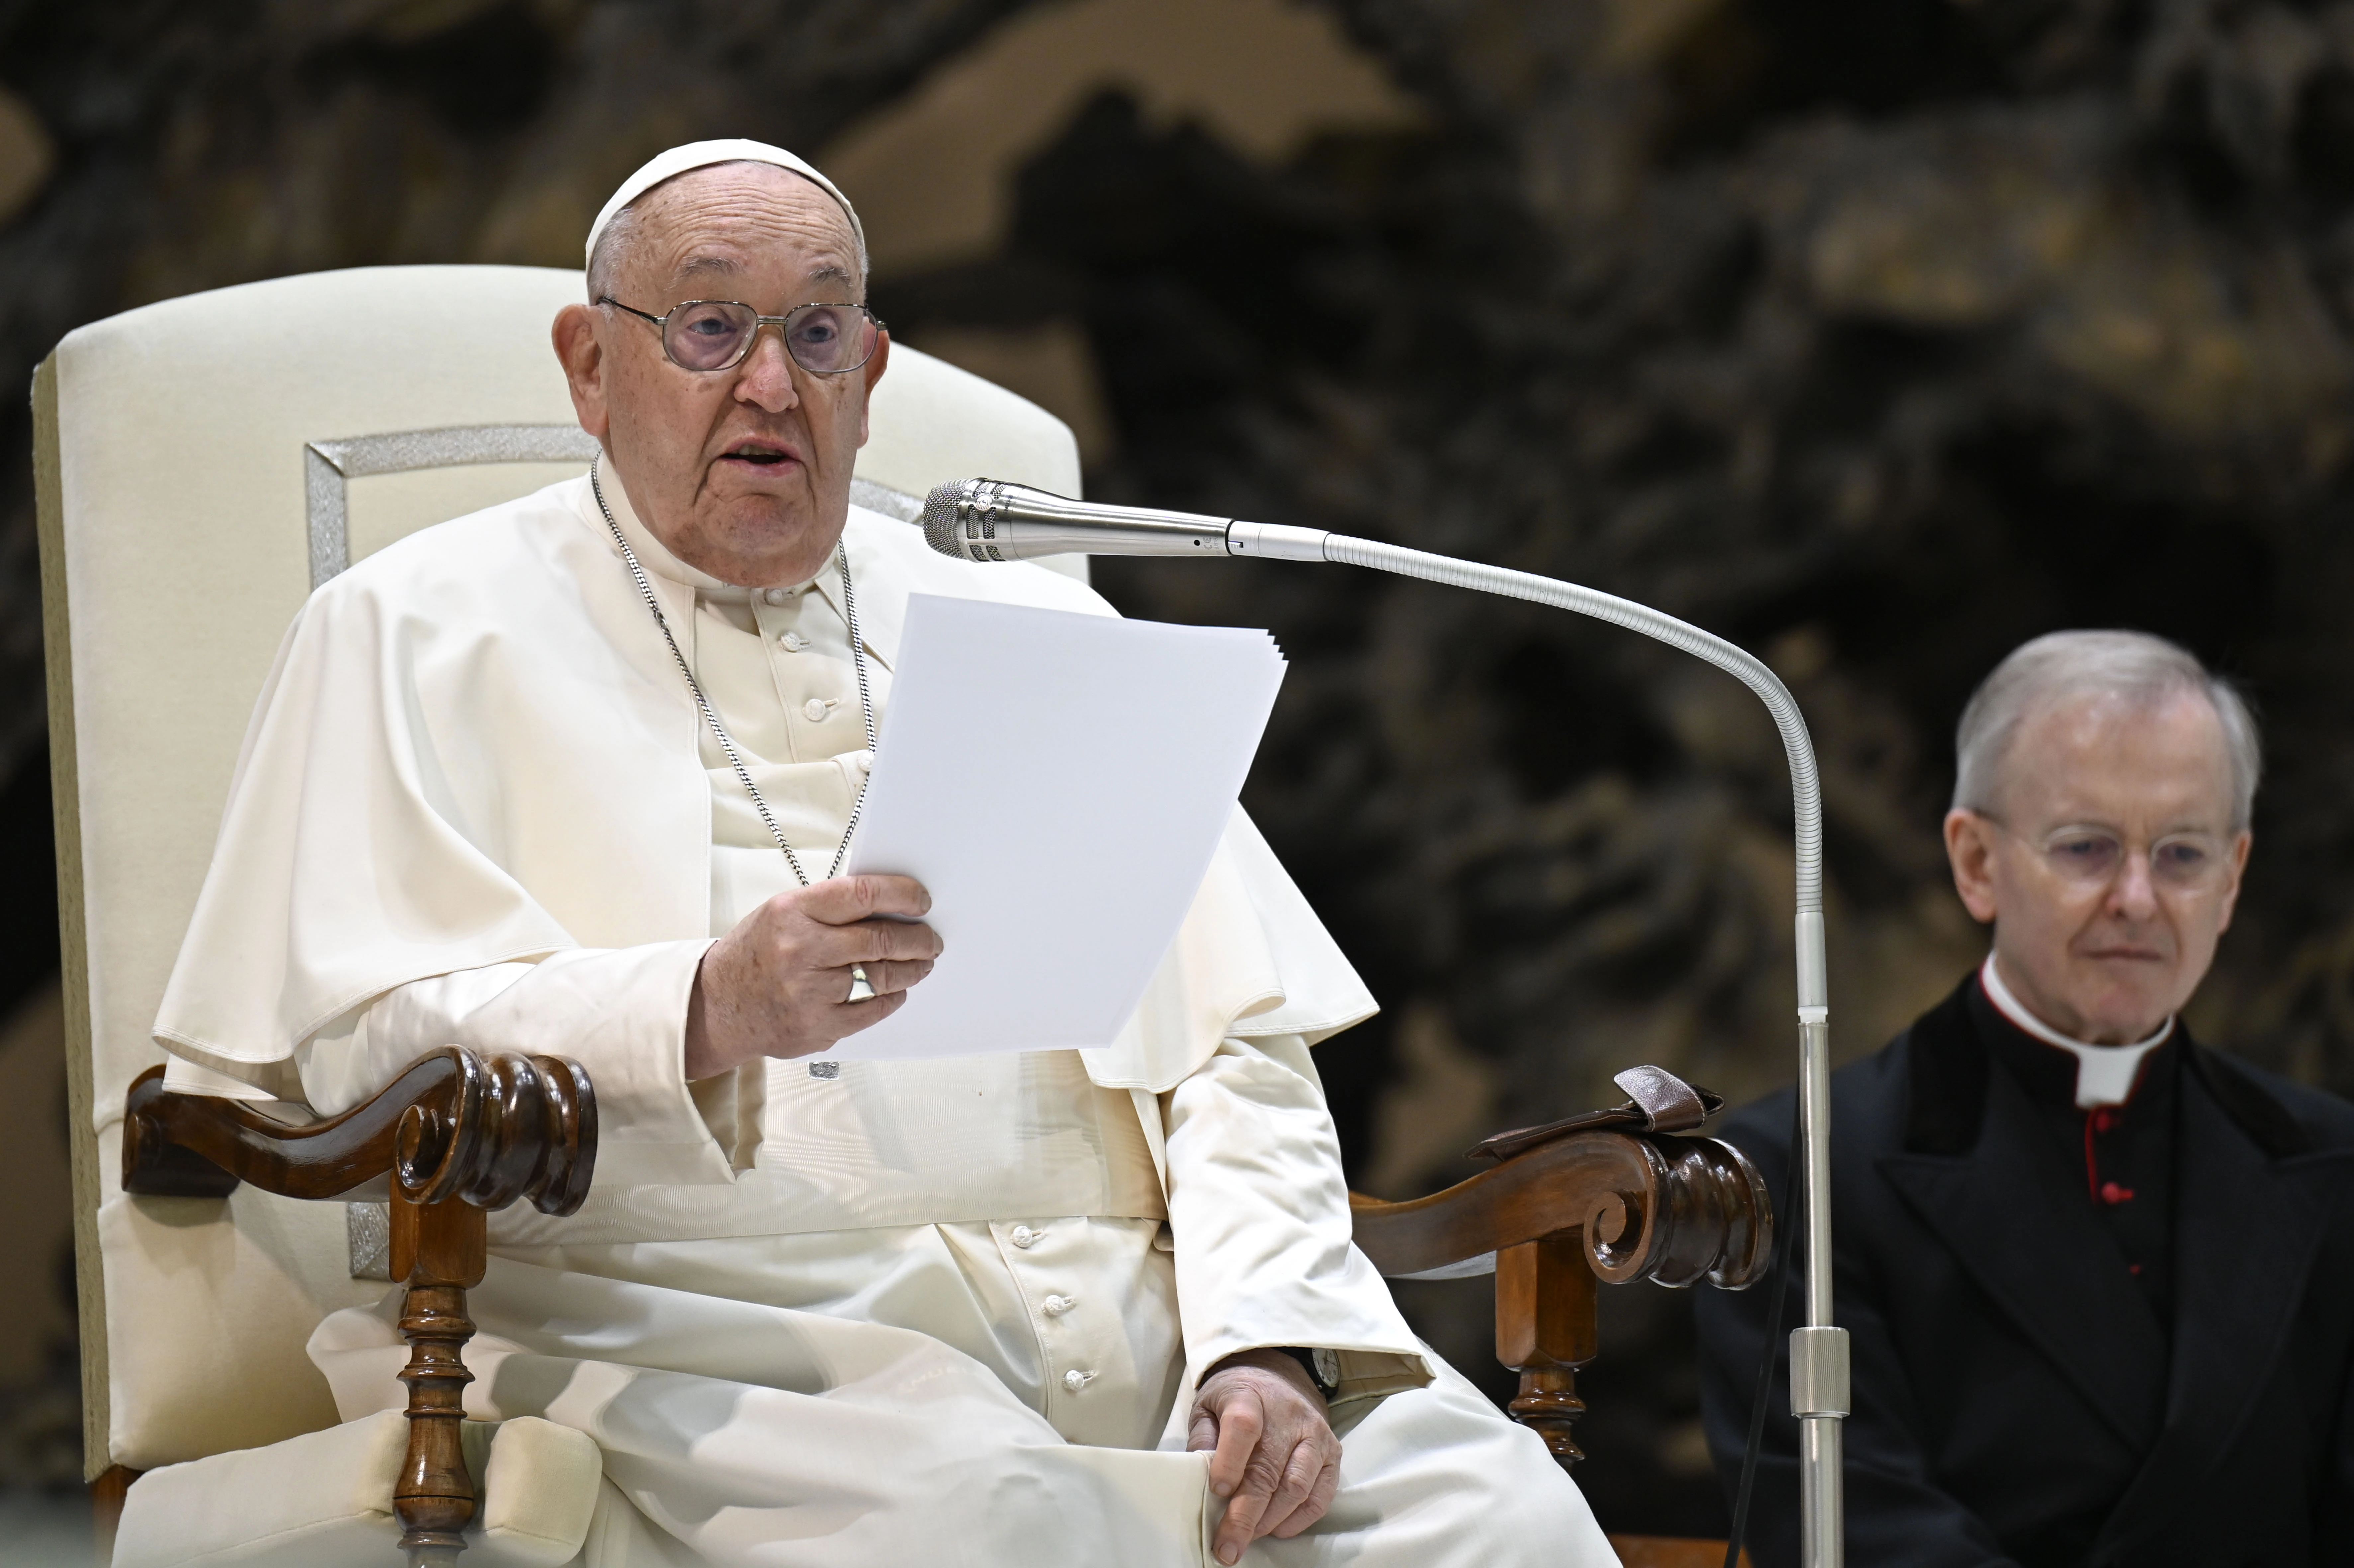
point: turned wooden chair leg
(1544, 1331)
(438, 1250)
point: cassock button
(1075, 1381)
(2113, 1194)
(1024, 1237)
(793, 641)
(815, 709)
(778, 596)
(1056, 1306)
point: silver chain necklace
(711, 715)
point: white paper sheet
(1058, 782)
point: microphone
(995, 520)
(992, 520)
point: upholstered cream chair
(201, 465)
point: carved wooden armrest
(1567, 1208)
(457, 1134)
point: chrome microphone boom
(992, 519)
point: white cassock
(837, 1313)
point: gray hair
(2062, 665)
(621, 230)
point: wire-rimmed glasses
(715, 335)
(2092, 856)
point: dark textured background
(1876, 334)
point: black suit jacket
(2016, 1398)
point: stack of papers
(1059, 783)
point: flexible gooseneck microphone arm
(990, 520)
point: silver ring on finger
(861, 988)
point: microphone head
(940, 530)
(986, 520)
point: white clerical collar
(655, 556)
(2104, 1074)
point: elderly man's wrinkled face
(2108, 865)
(743, 473)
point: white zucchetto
(702, 156)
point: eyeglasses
(715, 335)
(2092, 857)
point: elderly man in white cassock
(574, 775)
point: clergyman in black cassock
(2020, 1394)
(2098, 1278)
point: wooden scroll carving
(458, 1134)
(1558, 1215)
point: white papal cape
(941, 1312)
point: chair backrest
(200, 465)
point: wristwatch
(1322, 1366)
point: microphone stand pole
(988, 520)
(1818, 1349)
